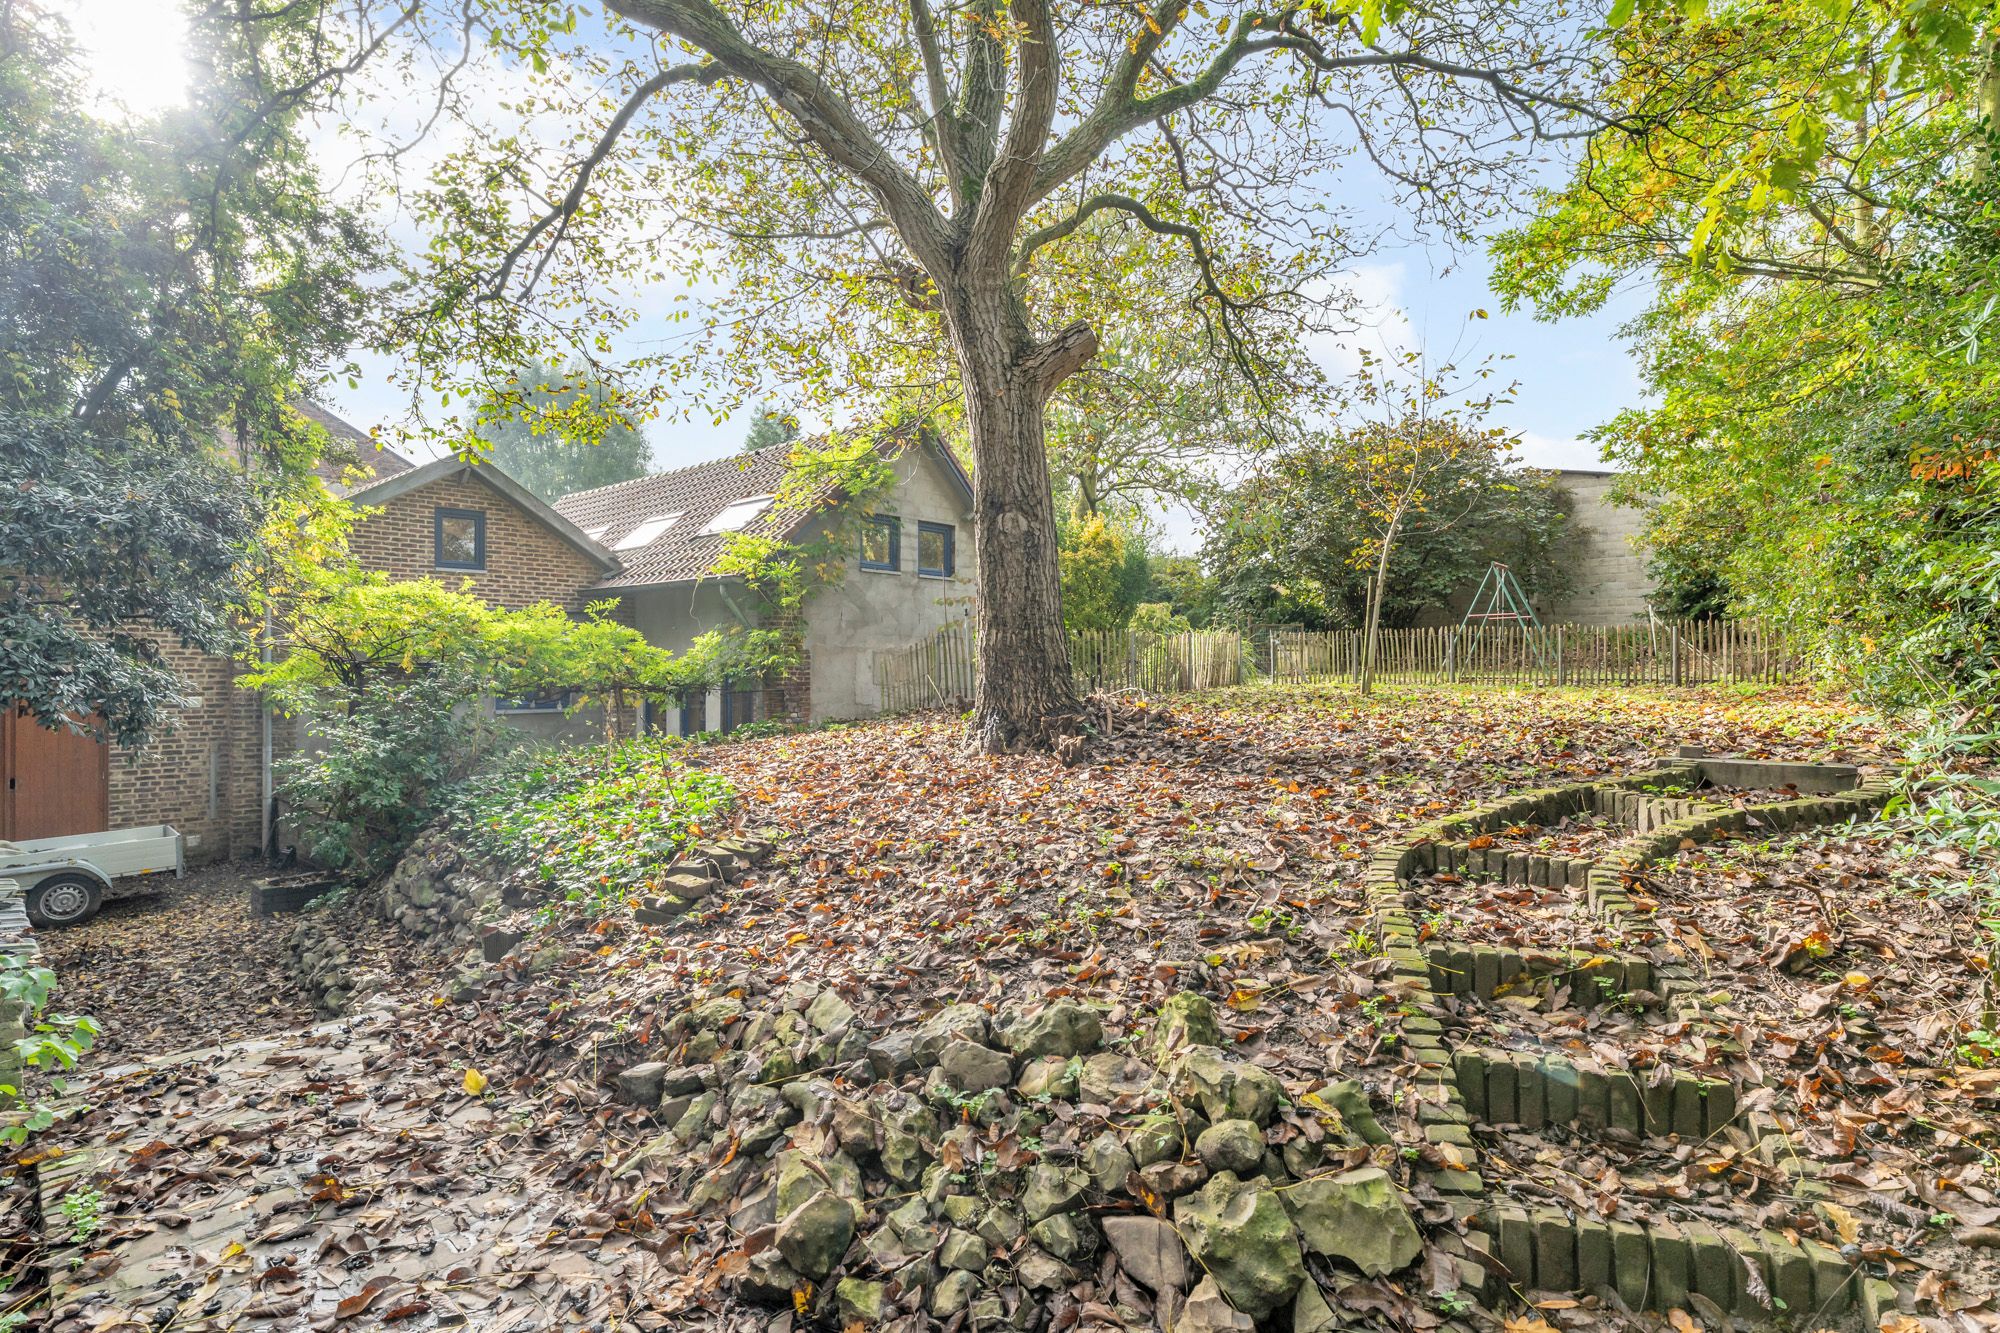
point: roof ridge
(675, 472)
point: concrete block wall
(1609, 583)
(869, 610)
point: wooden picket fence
(937, 672)
(1702, 652)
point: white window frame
(752, 508)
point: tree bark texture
(1024, 694)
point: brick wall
(202, 773)
(525, 562)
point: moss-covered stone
(1242, 1234)
(1357, 1216)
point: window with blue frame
(937, 550)
(882, 543)
(458, 539)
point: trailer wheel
(64, 900)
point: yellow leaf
(475, 1082)
(1844, 1223)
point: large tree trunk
(1024, 694)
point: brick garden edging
(1652, 1266)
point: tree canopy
(1300, 539)
(946, 208)
(167, 290)
(1810, 192)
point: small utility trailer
(67, 879)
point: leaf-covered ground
(147, 967)
(1215, 846)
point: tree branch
(558, 218)
(1060, 357)
(1121, 111)
(1003, 195)
(826, 117)
(983, 99)
(944, 117)
(1211, 286)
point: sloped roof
(352, 448)
(698, 493)
(383, 489)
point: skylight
(597, 534)
(648, 532)
(737, 514)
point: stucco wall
(870, 610)
(848, 622)
(1608, 574)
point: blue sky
(1572, 375)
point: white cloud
(1379, 324)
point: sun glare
(133, 52)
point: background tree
(559, 431)
(1811, 194)
(1285, 550)
(166, 290)
(769, 426)
(910, 208)
(1098, 589)
(1178, 582)
(1407, 472)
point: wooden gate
(52, 783)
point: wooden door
(52, 783)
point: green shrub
(50, 1043)
(595, 825)
(379, 769)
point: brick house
(651, 543)
(207, 773)
(909, 572)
